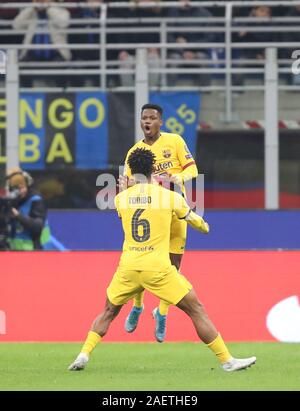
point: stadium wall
(53, 296)
(230, 230)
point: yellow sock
(163, 307)
(138, 300)
(219, 348)
(90, 342)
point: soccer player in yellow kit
(146, 211)
(173, 164)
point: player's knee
(191, 306)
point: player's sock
(90, 342)
(219, 348)
(163, 307)
(138, 300)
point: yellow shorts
(168, 285)
(177, 235)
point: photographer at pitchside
(28, 227)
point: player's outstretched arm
(197, 222)
(183, 211)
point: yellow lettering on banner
(2, 113)
(34, 115)
(66, 117)
(2, 158)
(174, 125)
(188, 115)
(59, 149)
(83, 113)
(29, 151)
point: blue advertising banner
(92, 130)
(181, 114)
(266, 230)
(32, 130)
(63, 130)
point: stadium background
(241, 271)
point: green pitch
(147, 366)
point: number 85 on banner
(186, 117)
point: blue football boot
(160, 325)
(133, 318)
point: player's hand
(122, 182)
(206, 228)
(176, 179)
(166, 179)
(161, 178)
(125, 182)
(203, 226)
(14, 213)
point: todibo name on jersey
(140, 200)
(162, 166)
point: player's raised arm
(197, 222)
(183, 211)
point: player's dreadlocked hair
(141, 161)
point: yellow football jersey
(146, 212)
(171, 152)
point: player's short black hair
(141, 161)
(153, 107)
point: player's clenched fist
(125, 182)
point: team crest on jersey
(167, 153)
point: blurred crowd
(48, 24)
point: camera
(6, 204)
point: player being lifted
(146, 211)
(174, 164)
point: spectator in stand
(140, 11)
(126, 57)
(126, 61)
(43, 24)
(186, 10)
(290, 37)
(263, 16)
(92, 12)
